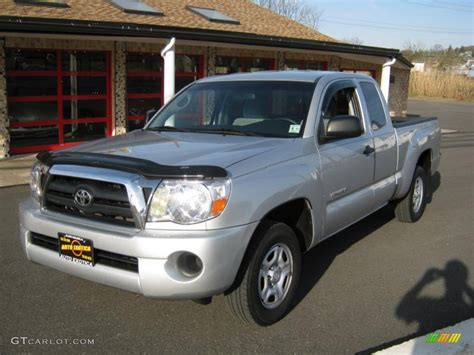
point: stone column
(335, 64)
(399, 87)
(4, 122)
(211, 61)
(281, 61)
(120, 87)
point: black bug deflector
(132, 165)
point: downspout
(385, 81)
(168, 54)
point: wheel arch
(424, 160)
(297, 214)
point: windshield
(260, 108)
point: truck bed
(399, 122)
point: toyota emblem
(83, 198)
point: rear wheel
(411, 207)
(271, 273)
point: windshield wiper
(225, 131)
(166, 128)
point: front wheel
(411, 207)
(271, 272)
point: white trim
(168, 54)
(385, 80)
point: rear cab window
(374, 105)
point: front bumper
(221, 252)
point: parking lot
(370, 286)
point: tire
(411, 208)
(262, 294)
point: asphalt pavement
(376, 284)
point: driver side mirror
(343, 126)
(149, 114)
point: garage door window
(57, 98)
(145, 82)
(305, 65)
(229, 65)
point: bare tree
(414, 51)
(414, 47)
(353, 40)
(297, 10)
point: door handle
(368, 150)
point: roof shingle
(253, 18)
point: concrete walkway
(420, 346)
(16, 170)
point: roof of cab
(288, 75)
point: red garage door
(57, 98)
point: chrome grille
(110, 202)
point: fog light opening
(189, 265)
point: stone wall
(398, 92)
(281, 61)
(4, 134)
(211, 61)
(335, 64)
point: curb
(441, 344)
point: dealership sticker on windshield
(294, 128)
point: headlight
(188, 201)
(36, 179)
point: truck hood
(180, 148)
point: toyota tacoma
(227, 186)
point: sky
(394, 23)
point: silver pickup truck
(227, 186)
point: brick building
(75, 70)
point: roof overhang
(51, 26)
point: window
(31, 60)
(305, 65)
(53, 3)
(56, 97)
(229, 65)
(188, 69)
(144, 82)
(136, 7)
(20, 86)
(374, 105)
(340, 100)
(84, 61)
(272, 108)
(213, 15)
